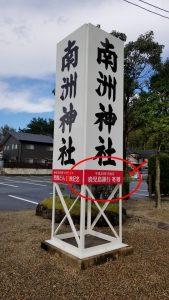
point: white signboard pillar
(88, 123)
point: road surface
(21, 192)
(25, 192)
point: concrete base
(85, 263)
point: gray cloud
(29, 30)
(23, 101)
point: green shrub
(126, 184)
(164, 173)
(103, 191)
(76, 209)
(44, 209)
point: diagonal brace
(68, 215)
(104, 206)
(102, 213)
(64, 218)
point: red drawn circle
(134, 170)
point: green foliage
(154, 113)
(152, 110)
(4, 130)
(76, 209)
(164, 170)
(141, 60)
(138, 139)
(126, 183)
(120, 35)
(40, 126)
(160, 81)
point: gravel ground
(28, 272)
(146, 208)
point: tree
(154, 115)
(4, 131)
(141, 60)
(159, 82)
(40, 126)
(157, 125)
(139, 139)
(160, 116)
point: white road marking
(8, 184)
(139, 191)
(22, 199)
(145, 195)
(41, 177)
(33, 179)
(39, 180)
(25, 182)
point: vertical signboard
(104, 108)
(89, 108)
(70, 105)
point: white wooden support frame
(111, 242)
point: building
(136, 157)
(24, 148)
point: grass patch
(112, 207)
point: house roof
(29, 137)
(147, 153)
(141, 153)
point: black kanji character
(102, 151)
(66, 152)
(71, 56)
(69, 86)
(105, 117)
(107, 56)
(68, 118)
(107, 85)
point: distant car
(144, 172)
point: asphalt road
(142, 192)
(21, 192)
(25, 192)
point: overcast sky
(29, 32)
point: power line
(153, 12)
(154, 6)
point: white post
(62, 200)
(53, 212)
(82, 218)
(89, 216)
(120, 213)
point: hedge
(164, 173)
(44, 209)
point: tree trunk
(157, 183)
(150, 185)
(126, 184)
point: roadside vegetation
(44, 209)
